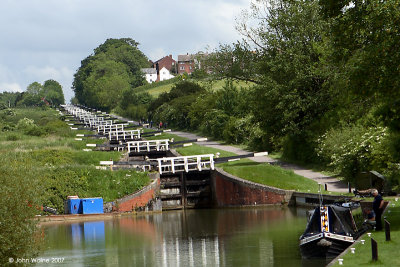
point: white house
(150, 74)
(165, 74)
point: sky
(47, 39)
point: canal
(259, 236)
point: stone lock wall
(229, 190)
(140, 198)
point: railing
(124, 135)
(107, 128)
(186, 163)
(147, 146)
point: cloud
(10, 87)
(47, 39)
(48, 72)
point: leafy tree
(106, 83)
(114, 67)
(8, 99)
(134, 105)
(34, 88)
(281, 53)
(19, 237)
(53, 93)
(174, 107)
(180, 89)
(36, 94)
(364, 39)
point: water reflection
(225, 237)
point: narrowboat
(331, 229)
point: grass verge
(387, 250)
(261, 173)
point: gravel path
(333, 183)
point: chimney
(170, 56)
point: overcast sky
(47, 39)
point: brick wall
(229, 190)
(140, 198)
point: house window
(190, 67)
(182, 68)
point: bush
(25, 123)
(34, 131)
(238, 130)
(214, 123)
(354, 149)
(12, 137)
(20, 198)
(57, 127)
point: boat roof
(340, 221)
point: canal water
(267, 236)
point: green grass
(166, 136)
(261, 173)
(155, 89)
(219, 84)
(57, 162)
(387, 250)
(264, 173)
(196, 149)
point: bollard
(348, 184)
(387, 230)
(374, 247)
(326, 187)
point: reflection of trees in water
(237, 236)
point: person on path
(377, 206)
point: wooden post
(326, 187)
(348, 184)
(374, 247)
(387, 230)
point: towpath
(333, 183)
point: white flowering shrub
(353, 149)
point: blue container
(94, 232)
(92, 205)
(74, 206)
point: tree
(364, 39)
(32, 95)
(281, 53)
(34, 88)
(19, 235)
(36, 94)
(114, 67)
(53, 93)
(8, 99)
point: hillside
(155, 89)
